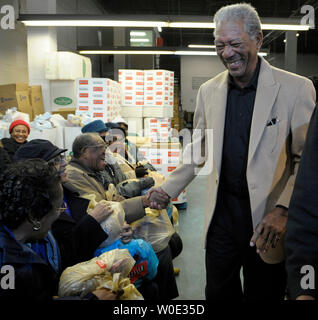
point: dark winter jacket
(302, 224)
(4, 159)
(11, 146)
(78, 234)
(34, 278)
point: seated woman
(77, 232)
(19, 131)
(31, 199)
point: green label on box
(63, 101)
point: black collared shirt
(239, 112)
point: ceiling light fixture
(137, 33)
(208, 46)
(157, 21)
(125, 52)
(159, 52)
(139, 40)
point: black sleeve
(301, 240)
(4, 159)
(77, 242)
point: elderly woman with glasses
(77, 231)
(31, 199)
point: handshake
(158, 199)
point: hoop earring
(37, 226)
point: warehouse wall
(197, 69)
(194, 71)
(13, 50)
(306, 64)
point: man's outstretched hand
(158, 198)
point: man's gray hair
(239, 11)
(83, 141)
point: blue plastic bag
(142, 251)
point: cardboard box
(15, 95)
(36, 100)
(63, 93)
(70, 133)
(64, 111)
(131, 111)
(157, 112)
(63, 65)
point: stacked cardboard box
(99, 98)
(157, 129)
(132, 84)
(165, 157)
(175, 121)
(150, 89)
(159, 88)
(27, 99)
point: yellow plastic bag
(158, 177)
(109, 270)
(155, 227)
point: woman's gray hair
(239, 11)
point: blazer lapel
(218, 109)
(267, 90)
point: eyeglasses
(57, 160)
(63, 208)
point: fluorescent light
(287, 27)
(157, 21)
(265, 26)
(201, 46)
(139, 40)
(195, 53)
(138, 33)
(154, 52)
(125, 52)
(205, 25)
(93, 23)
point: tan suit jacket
(274, 150)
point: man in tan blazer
(259, 116)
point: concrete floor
(191, 261)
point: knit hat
(95, 126)
(18, 122)
(38, 148)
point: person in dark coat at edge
(301, 237)
(77, 231)
(4, 158)
(31, 199)
(19, 131)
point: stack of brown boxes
(176, 121)
(27, 99)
